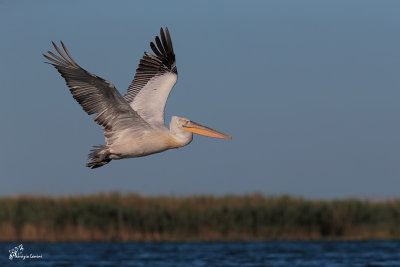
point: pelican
(133, 124)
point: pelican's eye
(185, 123)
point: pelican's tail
(98, 157)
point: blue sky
(309, 90)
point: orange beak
(202, 130)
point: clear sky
(309, 90)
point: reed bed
(250, 217)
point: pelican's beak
(202, 130)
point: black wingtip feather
(169, 40)
(155, 50)
(163, 48)
(68, 54)
(164, 41)
(160, 46)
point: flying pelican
(133, 124)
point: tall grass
(133, 217)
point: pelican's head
(184, 128)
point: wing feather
(154, 79)
(96, 95)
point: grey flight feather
(95, 94)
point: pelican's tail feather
(98, 157)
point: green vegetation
(256, 217)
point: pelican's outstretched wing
(154, 79)
(96, 95)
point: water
(324, 253)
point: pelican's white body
(131, 144)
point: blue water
(325, 253)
